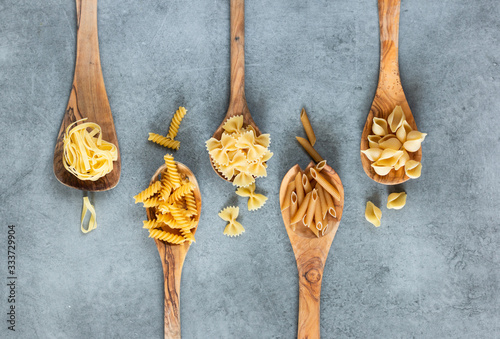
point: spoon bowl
(237, 101)
(172, 259)
(311, 253)
(389, 93)
(88, 99)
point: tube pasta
(396, 200)
(306, 184)
(309, 149)
(307, 127)
(310, 209)
(320, 165)
(322, 201)
(175, 123)
(301, 211)
(289, 189)
(373, 214)
(318, 217)
(299, 188)
(325, 183)
(293, 207)
(330, 204)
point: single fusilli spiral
(163, 141)
(176, 121)
(166, 186)
(180, 192)
(173, 173)
(148, 192)
(152, 202)
(149, 224)
(188, 235)
(191, 204)
(166, 236)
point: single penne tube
(289, 189)
(310, 209)
(318, 218)
(302, 209)
(306, 184)
(320, 165)
(309, 149)
(322, 200)
(307, 127)
(299, 188)
(315, 231)
(325, 228)
(330, 204)
(293, 207)
(325, 184)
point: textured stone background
(430, 271)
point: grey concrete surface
(430, 271)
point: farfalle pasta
(240, 155)
(174, 203)
(255, 201)
(233, 228)
(390, 144)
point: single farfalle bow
(255, 201)
(233, 228)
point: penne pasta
(320, 165)
(293, 207)
(306, 184)
(310, 209)
(325, 228)
(322, 200)
(301, 211)
(299, 188)
(315, 231)
(307, 127)
(309, 149)
(325, 184)
(318, 218)
(289, 189)
(330, 204)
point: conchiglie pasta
(413, 169)
(396, 201)
(373, 214)
(396, 118)
(379, 126)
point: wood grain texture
(389, 93)
(172, 260)
(311, 253)
(237, 101)
(87, 99)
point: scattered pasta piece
(307, 127)
(176, 121)
(309, 149)
(389, 151)
(373, 214)
(255, 201)
(87, 206)
(164, 141)
(175, 206)
(240, 155)
(233, 228)
(86, 155)
(396, 201)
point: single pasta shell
(402, 161)
(414, 140)
(396, 118)
(396, 201)
(373, 154)
(392, 143)
(413, 169)
(389, 158)
(379, 126)
(381, 170)
(403, 131)
(373, 140)
(373, 214)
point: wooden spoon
(172, 260)
(310, 254)
(237, 101)
(88, 99)
(389, 93)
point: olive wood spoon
(311, 253)
(237, 101)
(389, 93)
(88, 99)
(172, 260)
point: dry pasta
(164, 141)
(373, 214)
(233, 228)
(92, 224)
(309, 149)
(85, 154)
(396, 200)
(148, 192)
(176, 121)
(325, 184)
(255, 201)
(307, 127)
(308, 217)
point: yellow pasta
(414, 141)
(307, 127)
(85, 154)
(396, 201)
(402, 161)
(188, 235)
(379, 126)
(390, 141)
(388, 158)
(172, 171)
(166, 236)
(403, 131)
(148, 192)
(176, 121)
(309, 149)
(373, 214)
(164, 141)
(325, 183)
(255, 201)
(413, 169)
(152, 202)
(190, 204)
(396, 118)
(92, 224)
(373, 140)
(373, 154)
(233, 228)
(149, 224)
(181, 192)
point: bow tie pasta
(233, 228)
(255, 201)
(390, 144)
(240, 155)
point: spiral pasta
(181, 192)
(149, 224)
(148, 192)
(176, 121)
(173, 174)
(166, 236)
(164, 141)
(190, 204)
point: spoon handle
(237, 101)
(388, 11)
(310, 266)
